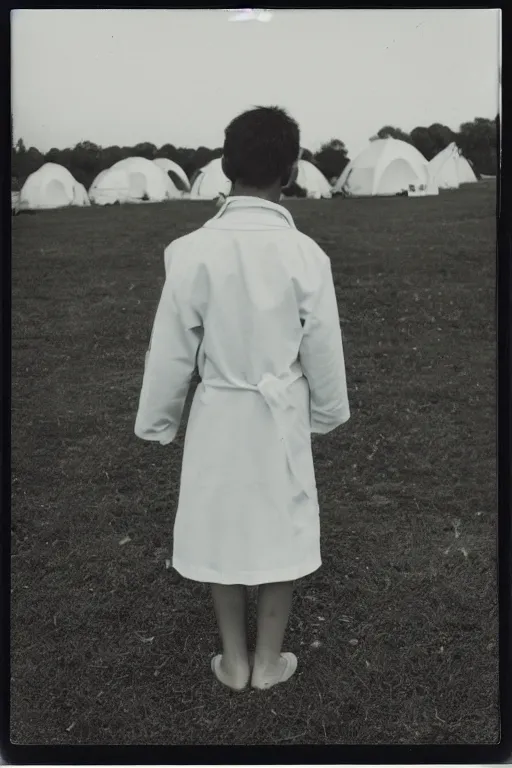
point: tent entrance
(55, 194)
(137, 185)
(397, 177)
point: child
(252, 301)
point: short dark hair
(261, 147)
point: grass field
(397, 633)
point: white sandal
(288, 671)
(215, 665)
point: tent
(52, 186)
(132, 180)
(175, 173)
(312, 181)
(210, 182)
(387, 167)
(449, 169)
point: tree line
(478, 141)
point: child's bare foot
(265, 675)
(235, 677)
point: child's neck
(273, 194)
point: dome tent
(210, 182)
(449, 169)
(52, 186)
(130, 181)
(387, 167)
(175, 172)
(312, 181)
(80, 196)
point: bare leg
(230, 601)
(274, 604)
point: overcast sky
(125, 76)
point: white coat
(251, 300)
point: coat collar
(253, 205)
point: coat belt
(274, 391)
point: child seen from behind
(251, 301)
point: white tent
(449, 169)
(175, 172)
(130, 181)
(387, 167)
(80, 196)
(210, 182)
(312, 180)
(52, 186)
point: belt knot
(274, 390)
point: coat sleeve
(170, 361)
(322, 358)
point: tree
(337, 145)
(87, 146)
(429, 141)
(202, 157)
(53, 155)
(478, 141)
(169, 151)
(187, 160)
(479, 133)
(441, 136)
(110, 156)
(83, 161)
(307, 155)
(24, 162)
(424, 142)
(66, 158)
(145, 149)
(331, 158)
(390, 132)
